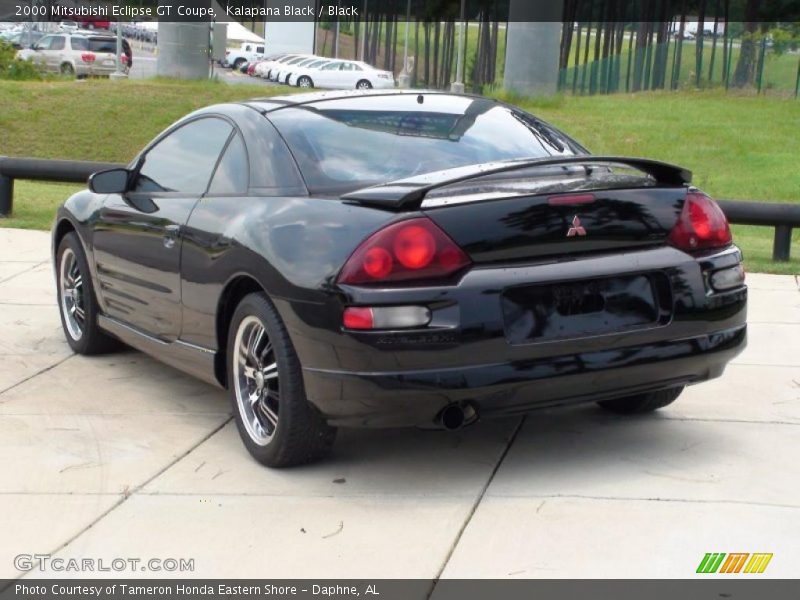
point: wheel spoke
(79, 313)
(270, 415)
(270, 371)
(258, 337)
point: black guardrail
(783, 217)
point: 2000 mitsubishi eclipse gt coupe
(399, 259)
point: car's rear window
(343, 145)
(103, 45)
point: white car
(346, 75)
(79, 55)
(68, 26)
(288, 68)
(306, 73)
(263, 69)
(281, 65)
(247, 52)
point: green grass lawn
(739, 147)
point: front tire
(76, 300)
(305, 82)
(277, 424)
(642, 403)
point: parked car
(264, 70)
(247, 52)
(285, 70)
(399, 259)
(94, 23)
(347, 74)
(21, 39)
(288, 62)
(76, 54)
(68, 26)
(302, 77)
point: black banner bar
(712, 587)
(577, 11)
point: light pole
(119, 73)
(405, 78)
(458, 85)
(364, 44)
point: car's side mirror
(113, 181)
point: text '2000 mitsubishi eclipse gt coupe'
(399, 259)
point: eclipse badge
(577, 228)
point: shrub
(13, 68)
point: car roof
(266, 105)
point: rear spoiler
(409, 193)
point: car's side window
(260, 49)
(44, 43)
(347, 66)
(79, 43)
(331, 67)
(183, 161)
(57, 43)
(232, 174)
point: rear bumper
(468, 352)
(415, 398)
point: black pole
(6, 195)
(782, 244)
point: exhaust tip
(454, 416)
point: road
(120, 456)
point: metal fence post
(781, 247)
(6, 195)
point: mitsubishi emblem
(577, 228)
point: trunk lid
(557, 221)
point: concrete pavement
(120, 456)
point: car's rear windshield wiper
(410, 192)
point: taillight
(88, 57)
(408, 250)
(702, 225)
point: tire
(67, 69)
(642, 403)
(305, 82)
(238, 63)
(78, 308)
(277, 424)
(363, 85)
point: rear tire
(278, 425)
(76, 300)
(67, 69)
(238, 63)
(642, 403)
(363, 85)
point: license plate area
(574, 309)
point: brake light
(702, 225)
(88, 57)
(358, 317)
(409, 250)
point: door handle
(171, 233)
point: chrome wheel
(71, 289)
(364, 85)
(256, 380)
(305, 82)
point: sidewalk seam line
(40, 372)
(124, 497)
(475, 506)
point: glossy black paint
(170, 265)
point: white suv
(80, 55)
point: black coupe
(399, 259)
